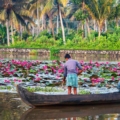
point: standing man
(70, 73)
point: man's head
(67, 56)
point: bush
(33, 52)
(25, 35)
(74, 40)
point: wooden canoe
(57, 112)
(36, 100)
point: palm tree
(11, 12)
(36, 7)
(115, 14)
(79, 13)
(57, 6)
(51, 11)
(99, 10)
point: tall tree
(57, 5)
(36, 7)
(99, 10)
(11, 10)
(115, 14)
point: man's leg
(68, 118)
(69, 90)
(75, 90)
(74, 118)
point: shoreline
(27, 51)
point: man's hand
(64, 80)
(79, 72)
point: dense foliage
(62, 24)
(107, 41)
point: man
(70, 73)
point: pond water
(86, 57)
(12, 108)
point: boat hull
(36, 100)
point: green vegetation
(107, 41)
(33, 52)
(5, 87)
(46, 89)
(60, 24)
(52, 89)
(83, 92)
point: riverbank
(60, 52)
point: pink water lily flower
(45, 67)
(119, 64)
(97, 80)
(112, 78)
(57, 77)
(15, 80)
(97, 65)
(81, 62)
(60, 71)
(91, 62)
(54, 61)
(19, 81)
(107, 63)
(85, 79)
(37, 79)
(7, 81)
(37, 75)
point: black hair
(67, 56)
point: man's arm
(80, 68)
(65, 74)
(79, 72)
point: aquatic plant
(51, 72)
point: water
(12, 108)
(86, 57)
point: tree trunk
(67, 27)
(62, 26)
(42, 22)
(88, 28)
(57, 24)
(85, 29)
(82, 27)
(38, 19)
(83, 5)
(117, 25)
(99, 29)
(45, 22)
(33, 31)
(51, 26)
(12, 33)
(21, 31)
(8, 35)
(94, 22)
(105, 25)
(78, 26)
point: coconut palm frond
(3, 14)
(90, 11)
(29, 19)
(49, 5)
(63, 2)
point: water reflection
(99, 112)
(87, 57)
(12, 108)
